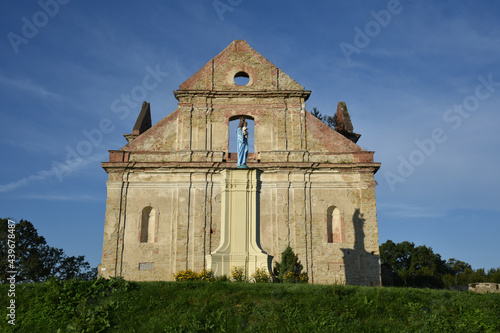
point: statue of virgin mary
(242, 146)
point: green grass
(120, 306)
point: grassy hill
(119, 306)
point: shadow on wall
(361, 267)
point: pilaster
(240, 224)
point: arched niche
(334, 225)
(147, 227)
(233, 125)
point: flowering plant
(189, 275)
(261, 275)
(238, 274)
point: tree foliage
(413, 266)
(461, 273)
(329, 120)
(34, 260)
(290, 268)
(419, 266)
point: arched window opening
(147, 225)
(233, 125)
(334, 228)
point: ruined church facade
(313, 187)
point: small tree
(290, 268)
(329, 120)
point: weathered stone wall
(184, 229)
(293, 208)
(170, 177)
(484, 287)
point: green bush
(291, 277)
(222, 278)
(289, 269)
(66, 306)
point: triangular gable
(177, 131)
(218, 73)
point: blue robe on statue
(242, 149)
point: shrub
(238, 274)
(187, 275)
(290, 268)
(261, 276)
(207, 275)
(72, 305)
(222, 278)
(291, 277)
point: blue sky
(421, 80)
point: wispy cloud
(34, 147)
(63, 197)
(58, 170)
(27, 85)
(410, 211)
